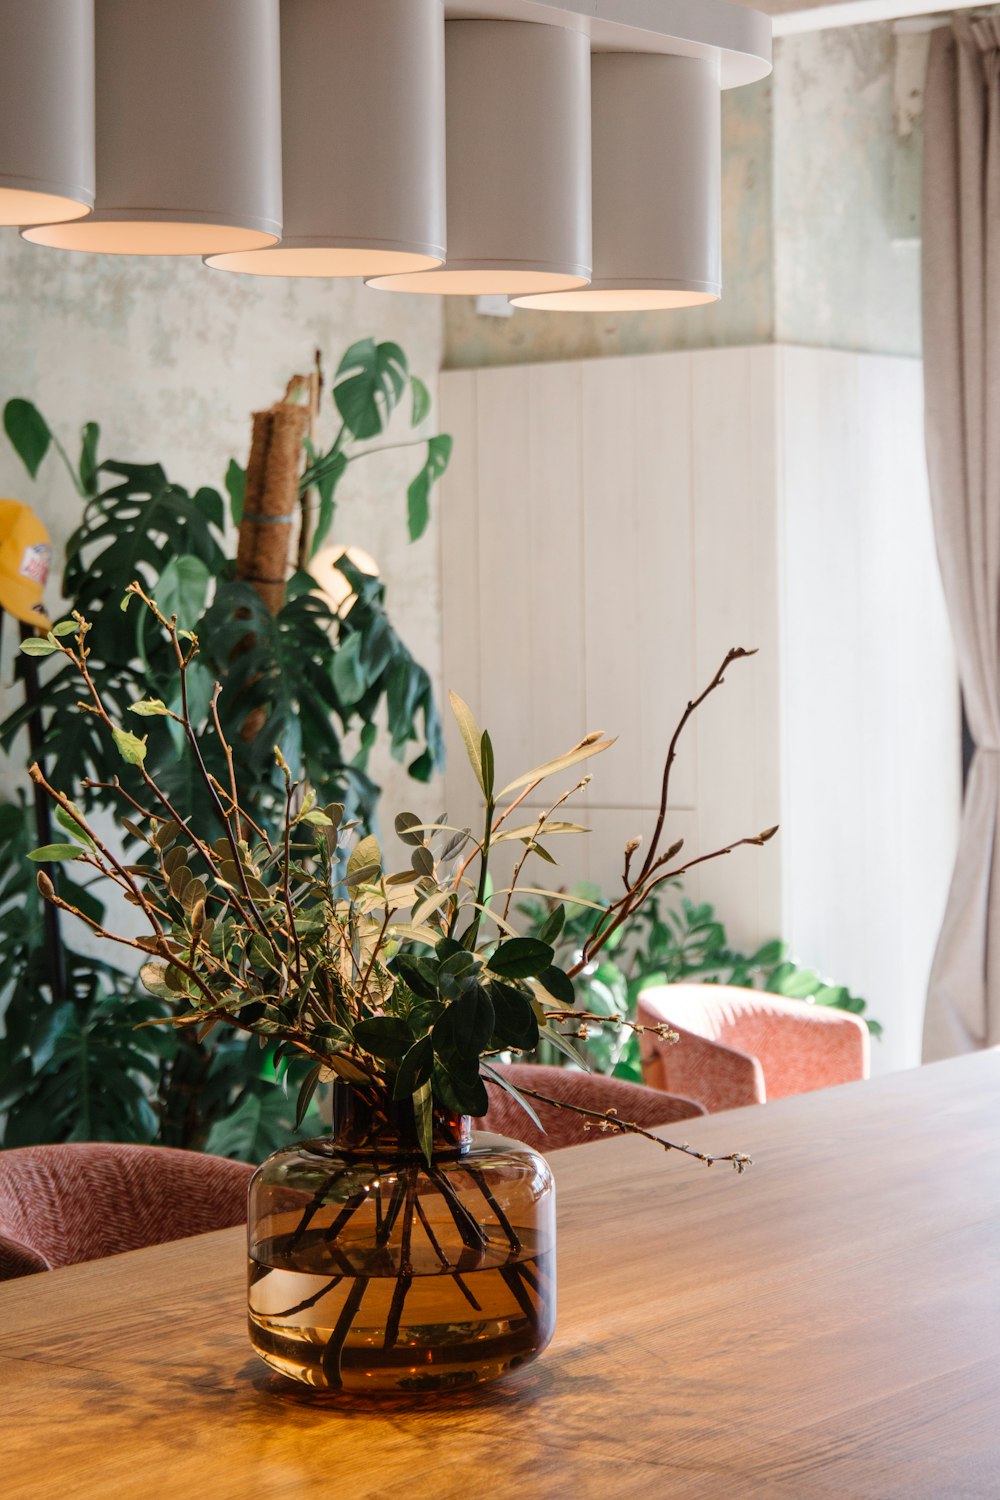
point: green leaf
(130, 747)
(149, 708)
(423, 1114)
(366, 399)
(328, 474)
(558, 984)
(182, 589)
(29, 433)
(65, 627)
(349, 677)
(52, 852)
(486, 756)
(415, 1068)
(89, 467)
(385, 1037)
(553, 925)
(306, 1091)
(465, 1093)
(515, 1093)
(521, 958)
(592, 745)
(36, 645)
(154, 979)
(418, 974)
(71, 826)
(472, 736)
(236, 486)
(418, 496)
(421, 400)
(409, 828)
(515, 1021)
(364, 855)
(466, 1027)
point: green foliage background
(75, 1068)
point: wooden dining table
(827, 1325)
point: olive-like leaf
(385, 1037)
(521, 958)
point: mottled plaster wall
(744, 316)
(846, 193)
(172, 358)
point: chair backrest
(633, 1102)
(66, 1203)
(741, 1046)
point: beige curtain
(961, 314)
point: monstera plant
(315, 680)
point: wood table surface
(827, 1325)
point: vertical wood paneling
(460, 624)
(613, 527)
(733, 526)
(506, 647)
(612, 544)
(553, 591)
(663, 582)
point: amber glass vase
(372, 1269)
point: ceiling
(816, 15)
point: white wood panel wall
(871, 737)
(610, 531)
(613, 526)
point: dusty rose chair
(647, 1107)
(744, 1047)
(67, 1203)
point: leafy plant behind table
(667, 944)
(405, 984)
(319, 685)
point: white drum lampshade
(518, 156)
(188, 129)
(657, 185)
(363, 160)
(46, 110)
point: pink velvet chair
(744, 1047)
(66, 1203)
(647, 1107)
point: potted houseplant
(402, 1252)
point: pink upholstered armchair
(66, 1203)
(647, 1107)
(744, 1047)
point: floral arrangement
(406, 984)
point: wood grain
(827, 1326)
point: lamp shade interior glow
(657, 186)
(518, 161)
(105, 236)
(46, 110)
(188, 130)
(604, 298)
(363, 141)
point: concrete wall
(846, 189)
(171, 359)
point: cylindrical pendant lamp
(363, 164)
(188, 130)
(518, 153)
(657, 183)
(46, 110)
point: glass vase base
(402, 1334)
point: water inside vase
(351, 1316)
